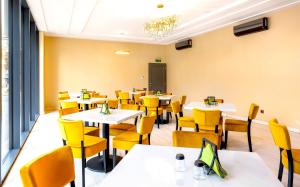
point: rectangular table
(150, 166)
(224, 107)
(117, 116)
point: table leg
(96, 163)
(86, 107)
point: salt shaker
(199, 173)
(180, 163)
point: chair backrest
(219, 100)
(71, 131)
(182, 100)
(129, 107)
(67, 111)
(207, 119)
(123, 95)
(194, 139)
(253, 111)
(151, 102)
(64, 104)
(149, 92)
(63, 95)
(146, 125)
(137, 98)
(113, 103)
(117, 93)
(175, 107)
(280, 134)
(55, 168)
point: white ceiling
(123, 20)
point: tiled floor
(45, 137)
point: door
(157, 77)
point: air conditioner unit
(251, 27)
(184, 44)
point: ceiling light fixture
(161, 27)
(122, 52)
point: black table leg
(86, 107)
(96, 163)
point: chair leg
(226, 137)
(72, 184)
(149, 139)
(104, 161)
(280, 171)
(114, 157)
(158, 120)
(180, 128)
(291, 168)
(83, 163)
(197, 128)
(249, 140)
(126, 152)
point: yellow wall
(263, 68)
(73, 64)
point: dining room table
(152, 165)
(116, 116)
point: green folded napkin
(211, 159)
(104, 109)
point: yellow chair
(63, 95)
(149, 92)
(182, 100)
(289, 158)
(117, 129)
(194, 139)
(117, 93)
(54, 169)
(124, 98)
(137, 99)
(92, 131)
(113, 103)
(241, 125)
(127, 140)
(181, 121)
(151, 105)
(64, 104)
(208, 120)
(83, 146)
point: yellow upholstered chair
(83, 146)
(241, 125)
(92, 131)
(124, 98)
(54, 169)
(64, 104)
(117, 93)
(127, 140)
(117, 129)
(289, 158)
(194, 139)
(137, 99)
(113, 103)
(151, 105)
(149, 92)
(63, 95)
(208, 120)
(182, 121)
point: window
(19, 79)
(5, 87)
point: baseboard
(260, 122)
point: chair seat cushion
(92, 131)
(127, 140)
(236, 125)
(122, 126)
(186, 121)
(296, 158)
(92, 146)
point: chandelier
(161, 27)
